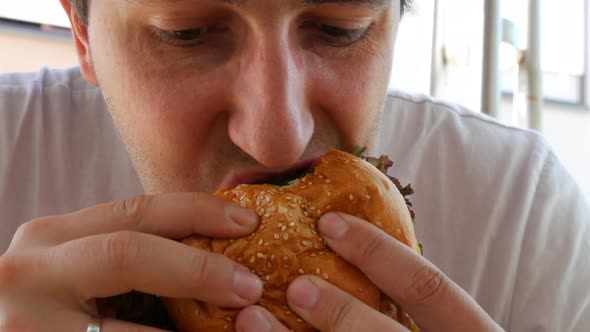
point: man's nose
(271, 119)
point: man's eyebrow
(373, 3)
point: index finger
(430, 297)
(171, 215)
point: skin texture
(263, 90)
(266, 86)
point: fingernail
(333, 226)
(304, 293)
(243, 216)
(247, 285)
(257, 322)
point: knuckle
(31, 229)
(339, 320)
(369, 249)
(132, 210)
(120, 250)
(201, 264)
(427, 284)
(11, 271)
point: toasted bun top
(287, 244)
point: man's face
(212, 93)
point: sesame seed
(320, 176)
(252, 259)
(276, 236)
(298, 230)
(260, 255)
(267, 215)
(325, 276)
(288, 313)
(305, 243)
(288, 198)
(284, 228)
(260, 242)
(285, 258)
(367, 197)
(286, 236)
(328, 207)
(267, 277)
(350, 197)
(291, 224)
(299, 320)
(314, 254)
(329, 194)
(328, 181)
(272, 257)
(317, 270)
(301, 271)
(227, 318)
(379, 224)
(197, 312)
(293, 205)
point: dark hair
(81, 8)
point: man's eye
(188, 37)
(335, 32)
(336, 36)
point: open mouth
(288, 178)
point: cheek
(353, 95)
(161, 107)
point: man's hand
(434, 301)
(57, 266)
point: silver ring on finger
(94, 325)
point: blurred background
(440, 52)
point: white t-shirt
(495, 209)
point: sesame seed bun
(287, 244)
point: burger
(287, 243)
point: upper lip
(250, 176)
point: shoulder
(419, 126)
(46, 78)
(488, 192)
(56, 136)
